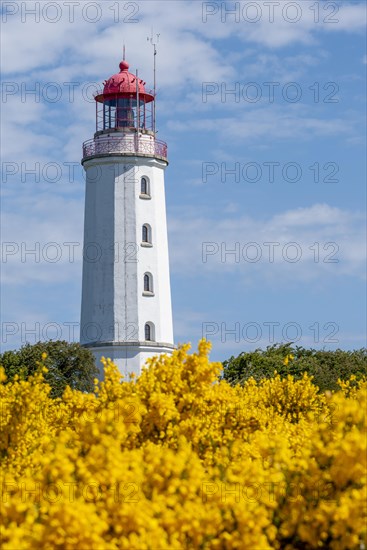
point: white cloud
(30, 224)
(316, 215)
(279, 122)
(329, 241)
(186, 49)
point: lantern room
(124, 104)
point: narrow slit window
(149, 332)
(147, 284)
(146, 234)
(144, 186)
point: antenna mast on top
(123, 52)
(154, 43)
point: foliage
(68, 364)
(181, 460)
(326, 367)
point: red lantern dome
(125, 85)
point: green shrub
(326, 367)
(68, 364)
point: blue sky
(274, 171)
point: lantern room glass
(123, 113)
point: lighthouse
(126, 311)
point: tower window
(146, 234)
(144, 186)
(149, 332)
(148, 282)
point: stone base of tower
(129, 357)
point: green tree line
(326, 367)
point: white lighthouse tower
(126, 311)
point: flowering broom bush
(179, 459)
